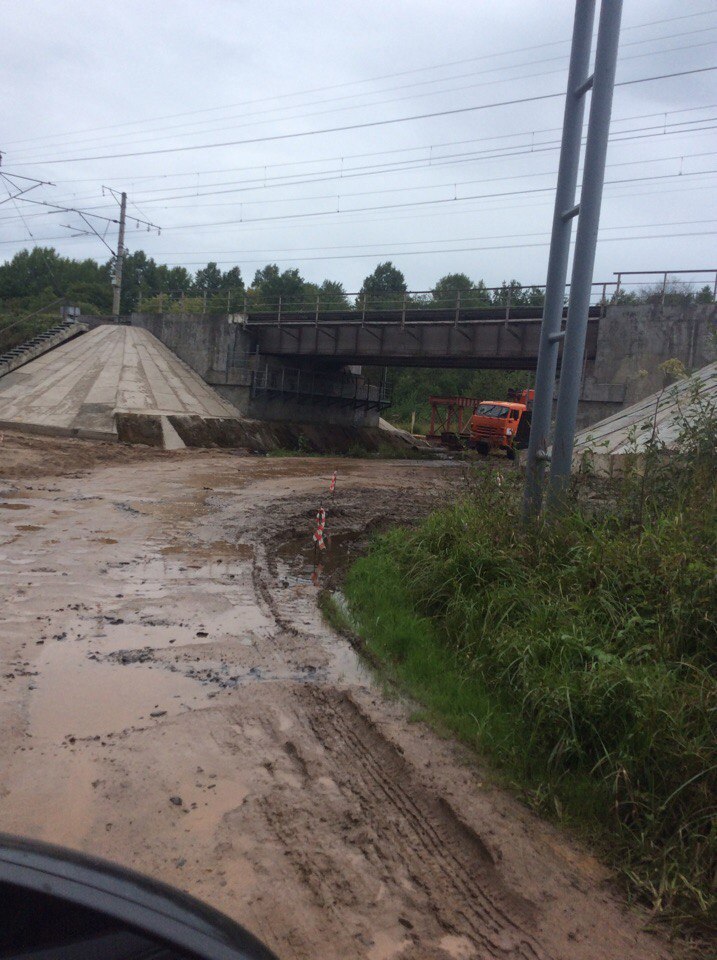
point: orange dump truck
(501, 425)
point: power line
(376, 153)
(410, 253)
(339, 197)
(360, 126)
(382, 252)
(378, 250)
(524, 204)
(430, 186)
(419, 203)
(342, 174)
(373, 79)
(375, 103)
(531, 148)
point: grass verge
(579, 656)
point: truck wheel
(510, 453)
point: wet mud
(172, 700)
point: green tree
(32, 271)
(233, 281)
(411, 388)
(208, 281)
(270, 285)
(512, 291)
(386, 286)
(330, 293)
(445, 293)
(622, 297)
(230, 295)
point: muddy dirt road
(171, 700)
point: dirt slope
(159, 638)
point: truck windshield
(492, 410)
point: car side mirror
(56, 904)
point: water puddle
(302, 566)
(78, 697)
(113, 633)
(303, 559)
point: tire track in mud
(413, 838)
(445, 859)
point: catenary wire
(360, 126)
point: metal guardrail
(506, 298)
(505, 302)
(668, 275)
(513, 302)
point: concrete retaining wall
(633, 342)
(209, 344)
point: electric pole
(117, 278)
(587, 212)
(585, 243)
(563, 215)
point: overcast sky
(468, 191)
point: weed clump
(580, 652)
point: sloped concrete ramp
(609, 447)
(114, 375)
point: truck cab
(499, 425)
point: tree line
(41, 275)
(36, 277)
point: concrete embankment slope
(608, 447)
(84, 387)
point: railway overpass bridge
(305, 363)
(473, 337)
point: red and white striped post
(319, 543)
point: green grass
(579, 656)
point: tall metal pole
(585, 244)
(565, 210)
(117, 278)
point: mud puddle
(75, 696)
(302, 559)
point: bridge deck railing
(508, 302)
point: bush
(579, 653)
